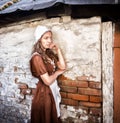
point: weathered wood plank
(117, 73)
(107, 72)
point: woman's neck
(43, 49)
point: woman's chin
(48, 47)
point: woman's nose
(50, 40)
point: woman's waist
(43, 87)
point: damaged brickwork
(81, 87)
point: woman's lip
(48, 45)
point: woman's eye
(46, 37)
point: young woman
(46, 64)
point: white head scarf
(40, 30)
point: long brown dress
(43, 108)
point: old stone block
(96, 111)
(20, 97)
(94, 119)
(66, 19)
(55, 20)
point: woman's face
(46, 40)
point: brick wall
(83, 93)
(80, 85)
(77, 93)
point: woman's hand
(49, 79)
(54, 47)
(60, 71)
(61, 62)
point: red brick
(22, 85)
(68, 89)
(96, 111)
(62, 78)
(78, 97)
(69, 102)
(26, 91)
(82, 84)
(63, 94)
(89, 104)
(23, 91)
(96, 85)
(74, 83)
(84, 78)
(69, 83)
(95, 99)
(89, 91)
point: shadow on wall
(11, 114)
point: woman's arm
(38, 69)
(61, 61)
(49, 79)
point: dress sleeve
(37, 66)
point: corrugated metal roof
(42, 4)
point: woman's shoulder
(36, 56)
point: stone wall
(80, 41)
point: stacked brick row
(83, 93)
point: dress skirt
(43, 108)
